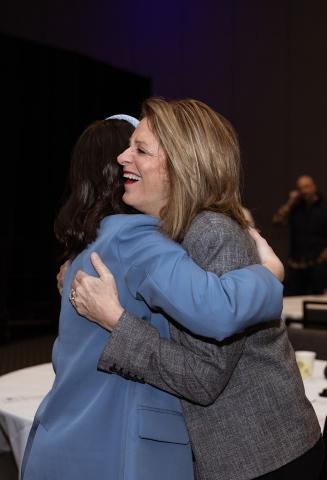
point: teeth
(131, 176)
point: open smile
(131, 178)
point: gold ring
(72, 295)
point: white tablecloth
(293, 306)
(313, 386)
(20, 395)
(22, 391)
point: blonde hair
(203, 162)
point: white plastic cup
(305, 361)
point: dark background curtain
(261, 64)
(48, 96)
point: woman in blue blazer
(93, 425)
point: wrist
(110, 320)
(276, 268)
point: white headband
(133, 121)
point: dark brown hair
(96, 184)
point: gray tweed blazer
(243, 398)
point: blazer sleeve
(195, 369)
(163, 275)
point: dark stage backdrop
(48, 96)
(262, 64)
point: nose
(124, 157)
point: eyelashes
(140, 151)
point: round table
(22, 391)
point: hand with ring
(96, 297)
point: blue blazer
(92, 425)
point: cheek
(165, 174)
(166, 181)
(164, 186)
(160, 174)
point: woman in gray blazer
(243, 398)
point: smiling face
(145, 172)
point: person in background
(92, 425)
(305, 213)
(243, 398)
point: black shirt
(308, 229)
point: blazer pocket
(162, 425)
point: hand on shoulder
(267, 256)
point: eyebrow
(138, 142)
(141, 141)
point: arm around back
(166, 277)
(192, 368)
(136, 351)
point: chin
(127, 201)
